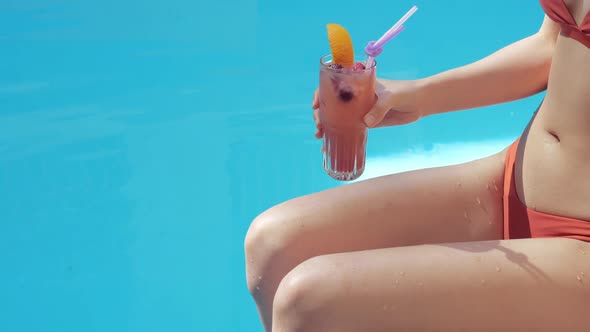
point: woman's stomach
(553, 166)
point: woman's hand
(396, 104)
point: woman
(496, 243)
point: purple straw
(374, 48)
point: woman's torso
(553, 175)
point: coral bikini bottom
(522, 222)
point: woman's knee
(302, 296)
(266, 244)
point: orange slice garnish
(340, 45)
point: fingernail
(369, 120)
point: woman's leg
(445, 204)
(501, 285)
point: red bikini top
(558, 12)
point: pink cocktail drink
(346, 95)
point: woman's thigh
(444, 204)
(497, 285)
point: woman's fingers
(319, 133)
(316, 117)
(315, 103)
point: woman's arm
(516, 71)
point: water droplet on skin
(579, 277)
(465, 215)
(496, 188)
(483, 282)
(459, 184)
(385, 308)
(257, 288)
(259, 277)
(498, 269)
(478, 200)
(487, 186)
(420, 284)
(402, 273)
(395, 282)
(581, 251)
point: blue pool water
(138, 139)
